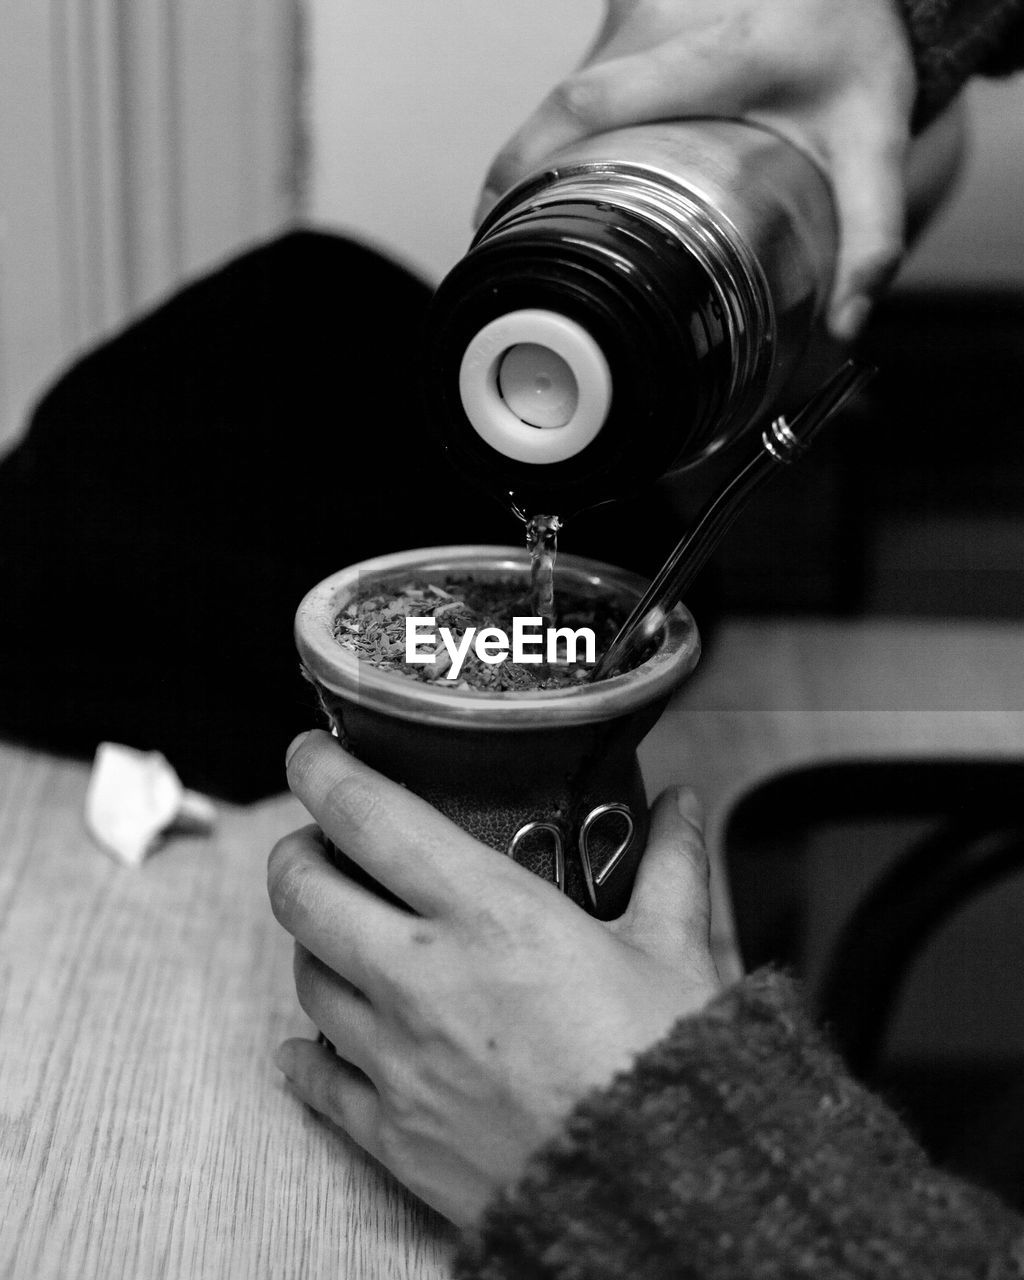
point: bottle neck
(673, 220)
(670, 340)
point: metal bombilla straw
(781, 443)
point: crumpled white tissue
(133, 800)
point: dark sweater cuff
(953, 40)
(737, 1146)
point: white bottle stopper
(535, 386)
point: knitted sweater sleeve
(739, 1147)
(955, 39)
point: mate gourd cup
(550, 778)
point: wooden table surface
(144, 1131)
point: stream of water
(542, 544)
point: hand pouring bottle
(628, 310)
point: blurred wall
(409, 99)
(139, 144)
(978, 239)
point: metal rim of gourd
(341, 672)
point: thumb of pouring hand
(468, 1030)
(837, 80)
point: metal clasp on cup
(596, 879)
(558, 840)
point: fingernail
(488, 199)
(689, 805)
(850, 318)
(294, 746)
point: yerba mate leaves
(374, 627)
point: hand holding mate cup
(469, 1024)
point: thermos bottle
(627, 310)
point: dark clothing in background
(184, 485)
